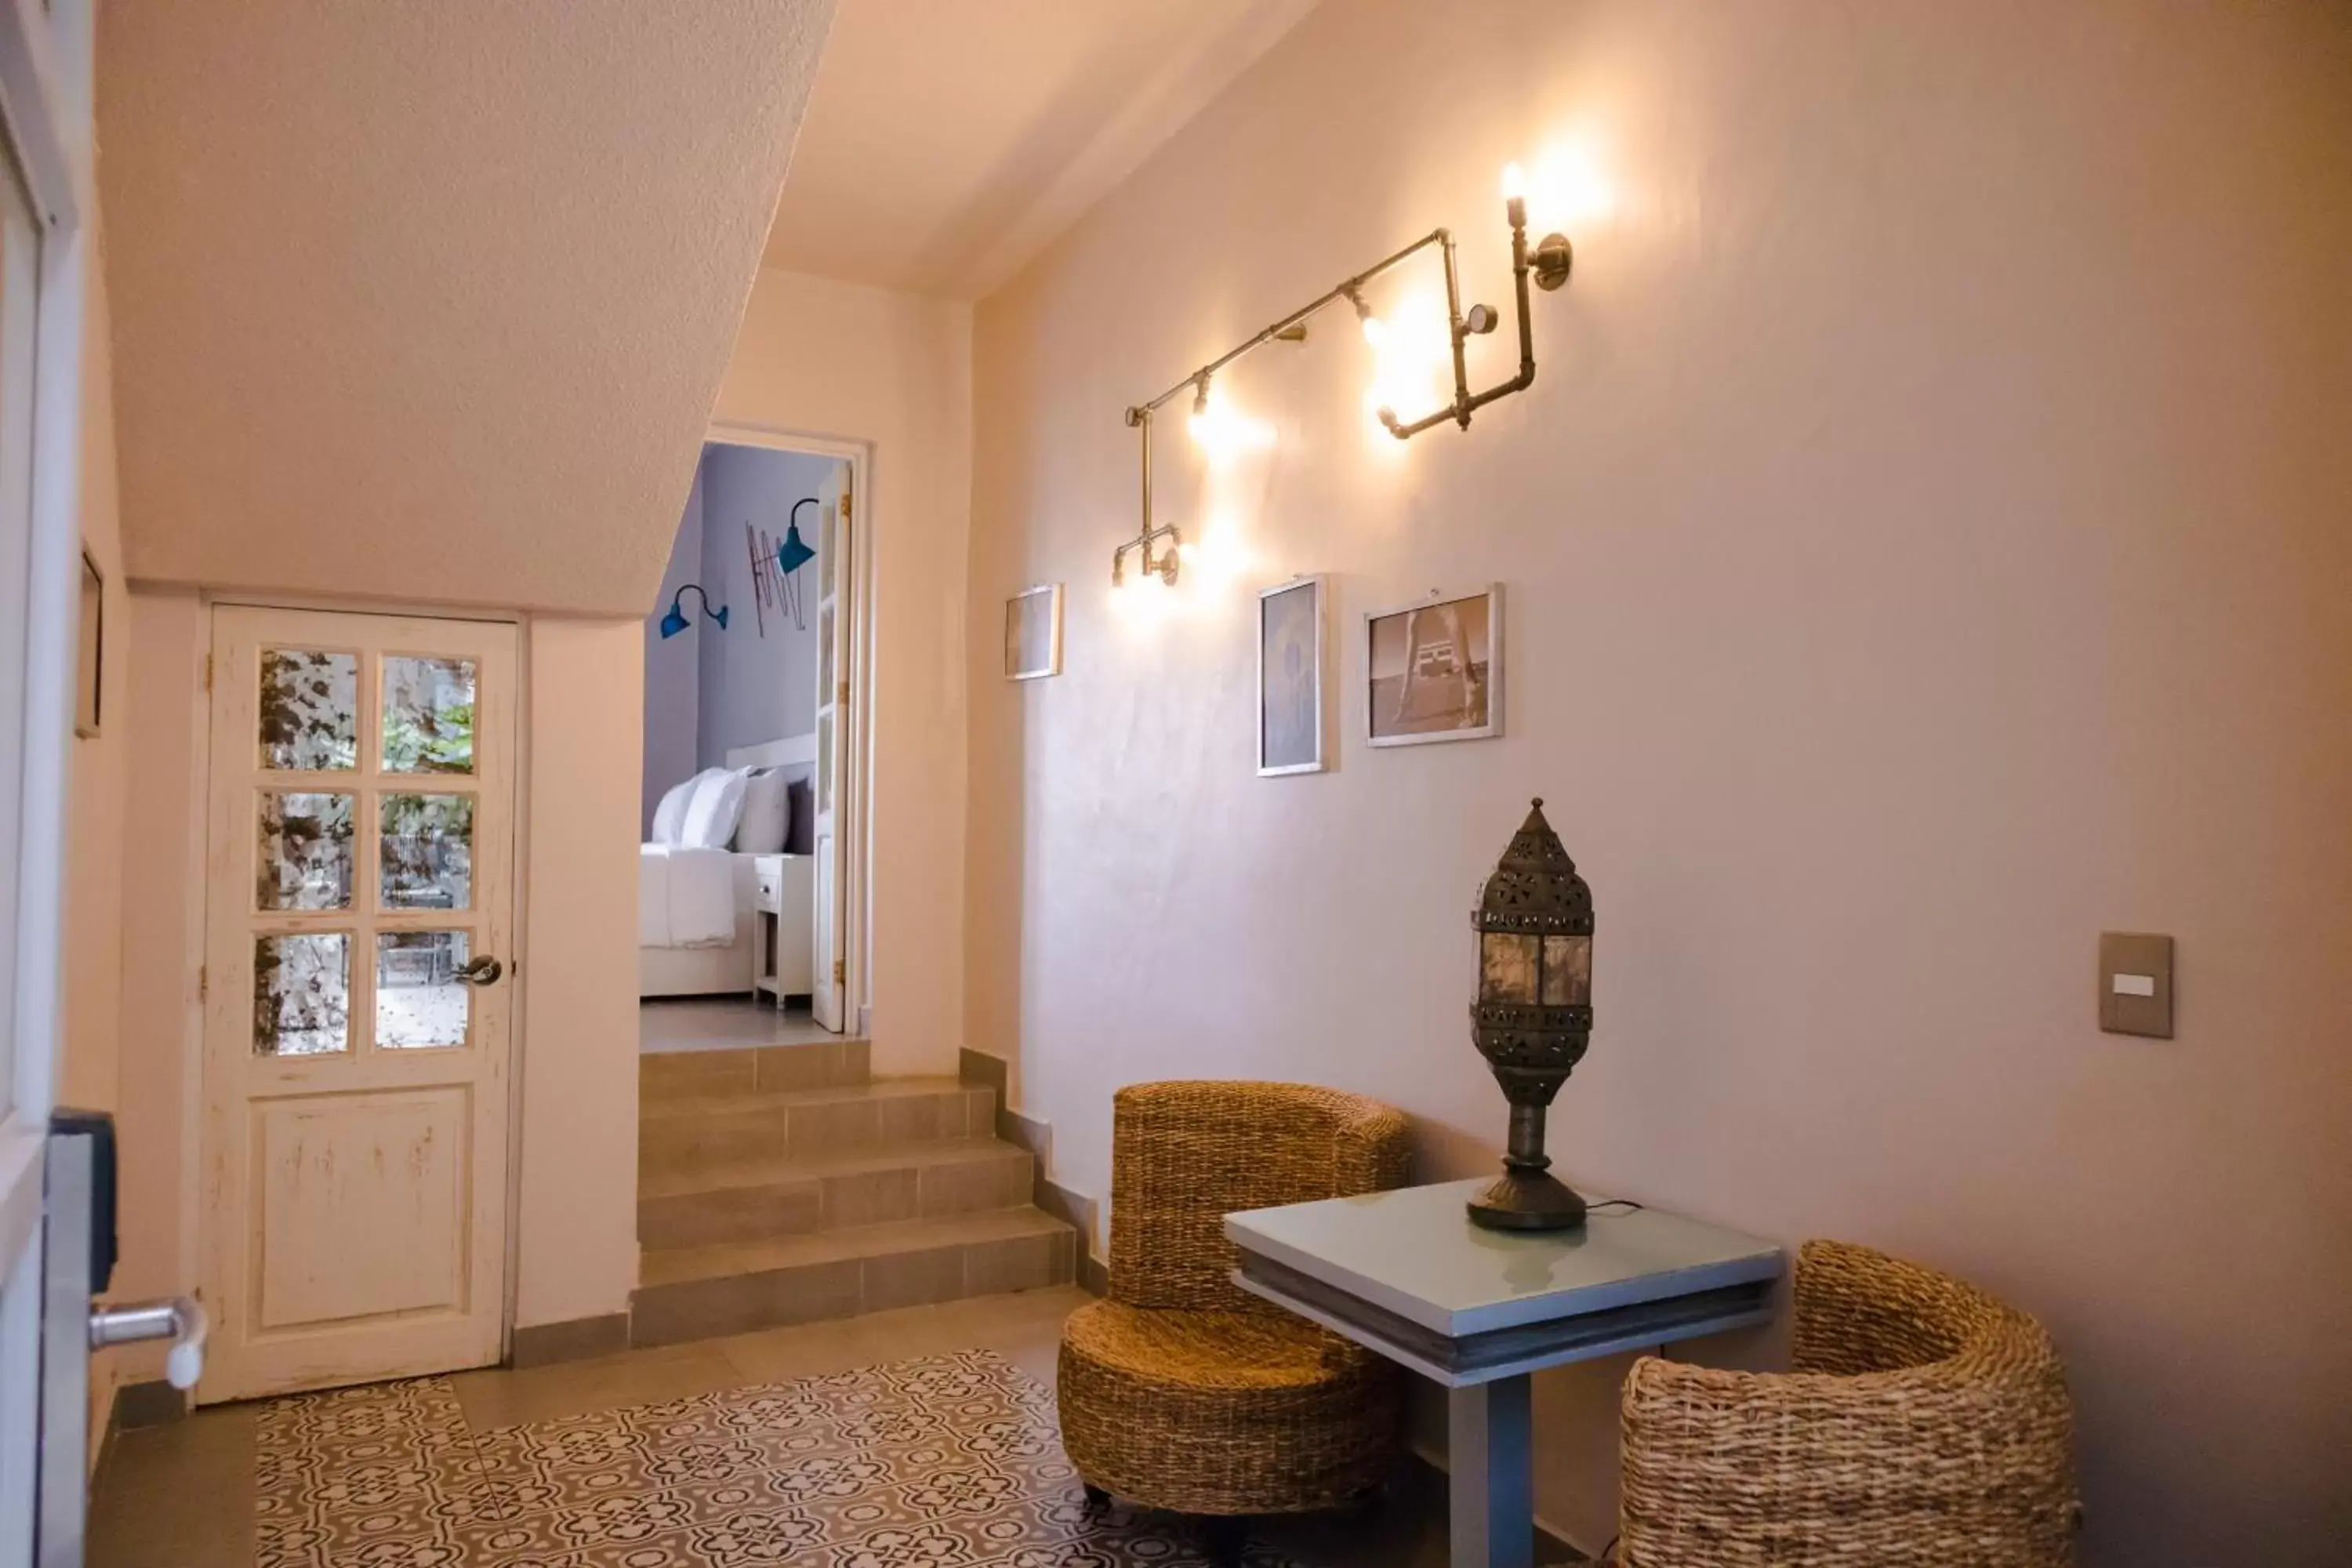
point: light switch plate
(2135, 984)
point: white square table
(1405, 1273)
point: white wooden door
(834, 564)
(359, 947)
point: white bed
(678, 958)
(699, 926)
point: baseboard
(1093, 1277)
(150, 1403)
(1552, 1546)
(575, 1339)
(1073, 1208)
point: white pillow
(767, 814)
(711, 814)
(669, 816)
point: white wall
(1927, 543)
(162, 939)
(577, 1211)
(817, 357)
(88, 1068)
(672, 673)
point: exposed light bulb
(1515, 182)
(1221, 432)
(1376, 331)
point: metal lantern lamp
(1533, 1016)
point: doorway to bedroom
(750, 743)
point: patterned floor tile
(949, 1461)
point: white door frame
(856, 805)
(45, 65)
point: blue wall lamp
(676, 621)
(794, 553)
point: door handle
(179, 1319)
(482, 971)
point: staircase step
(702, 1131)
(760, 1199)
(701, 1293)
(751, 1069)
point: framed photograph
(1291, 639)
(90, 662)
(1032, 633)
(1434, 669)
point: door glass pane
(825, 554)
(301, 994)
(824, 762)
(825, 677)
(428, 851)
(419, 1000)
(309, 709)
(428, 715)
(305, 852)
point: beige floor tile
(1025, 1330)
(179, 1494)
(707, 1022)
(502, 1397)
(186, 1494)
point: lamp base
(1528, 1200)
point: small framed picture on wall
(1292, 695)
(1032, 633)
(1434, 669)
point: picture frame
(1032, 633)
(1433, 668)
(89, 664)
(1292, 693)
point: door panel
(364, 1203)
(359, 885)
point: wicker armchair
(1925, 1424)
(1179, 1391)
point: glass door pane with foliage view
(358, 943)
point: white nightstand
(783, 922)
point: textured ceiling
(429, 300)
(949, 143)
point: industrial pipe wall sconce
(1547, 264)
(676, 621)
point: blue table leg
(1490, 1459)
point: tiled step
(700, 1293)
(761, 1199)
(772, 1070)
(700, 1133)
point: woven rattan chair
(1926, 1424)
(1179, 1391)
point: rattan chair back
(1185, 1154)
